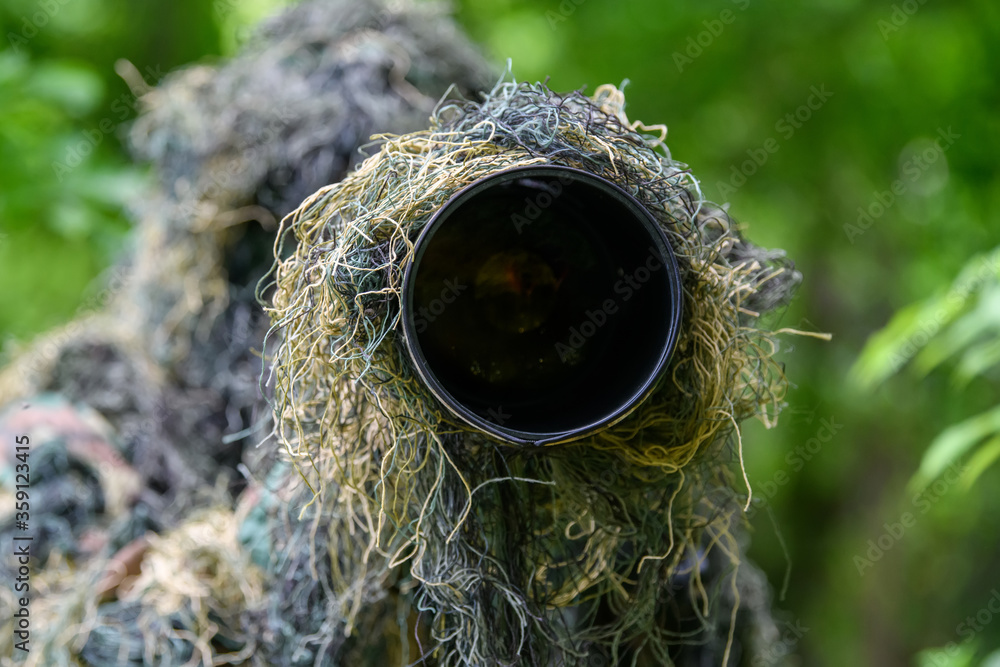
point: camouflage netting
(235, 149)
(391, 535)
(305, 620)
(616, 549)
(248, 142)
(168, 351)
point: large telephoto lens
(541, 304)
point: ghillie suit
(168, 351)
(617, 549)
(406, 538)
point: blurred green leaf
(992, 660)
(982, 319)
(75, 88)
(71, 220)
(954, 442)
(933, 330)
(985, 456)
(977, 359)
(890, 348)
(963, 322)
(958, 656)
(110, 186)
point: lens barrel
(541, 304)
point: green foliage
(61, 207)
(961, 322)
(960, 325)
(65, 182)
(897, 79)
(960, 656)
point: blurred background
(860, 137)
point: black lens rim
(656, 235)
